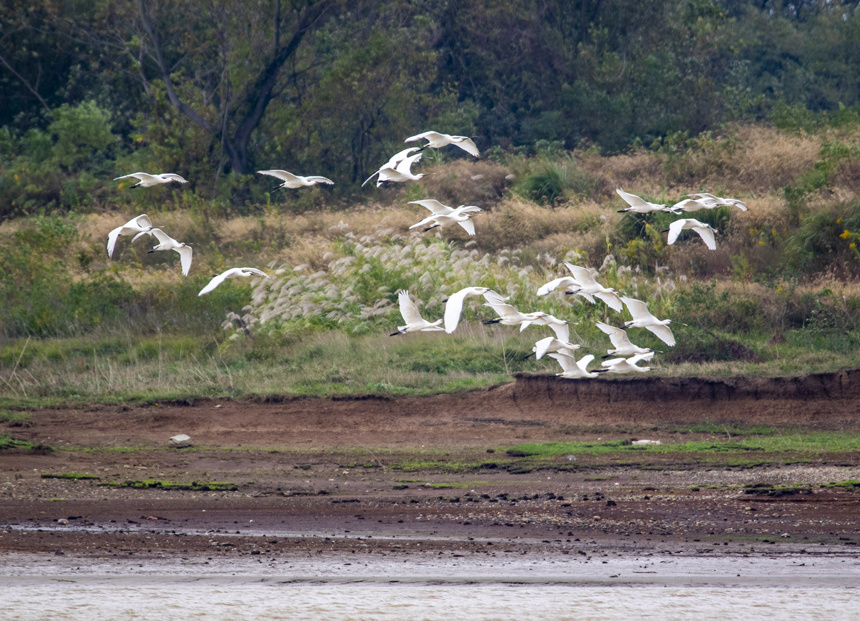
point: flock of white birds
(624, 357)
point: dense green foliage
(94, 89)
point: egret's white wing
(174, 177)
(454, 307)
(663, 333)
(583, 276)
(434, 206)
(468, 226)
(233, 272)
(140, 176)
(253, 270)
(161, 236)
(217, 280)
(283, 175)
(613, 362)
(632, 199)
(408, 309)
(318, 179)
(134, 239)
(504, 310)
(707, 236)
(584, 362)
(429, 219)
(405, 164)
(468, 145)
(587, 296)
(568, 363)
(401, 155)
(564, 281)
(428, 135)
(468, 208)
(542, 346)
(674, 230)
(638, 309)
(607, 329)
(142, 221)
(494, 297)
(640, 357)
(185, 256)
(617, 337)
(741, 205)
(562, 331)
(611, 300)
(112, 237)
(384, 175)
(371, 177)
(689, 204)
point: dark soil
(400, 475)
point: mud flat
(429, 477)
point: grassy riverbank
(777, 297)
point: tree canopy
(214, 90)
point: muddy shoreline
(327, 476)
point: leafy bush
(555, 180)
(57, 168)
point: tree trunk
(258, 96)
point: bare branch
(151, 32)
(260, 96)
(26, 84)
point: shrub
(555, 180)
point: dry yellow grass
(749, 162)
(641, 171)
(467, 182)
(746, 160)
(768, 159)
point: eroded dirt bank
(428, 474)
(537, 407)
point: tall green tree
(223, 62)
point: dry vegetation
(778, 295)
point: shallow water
(390, 602)
(36, 587)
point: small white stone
(181, 440)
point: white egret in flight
(147, 180)
(168, 243)
(628, 365)
(414, 321)
(295, 181)
(718, 201)
(642, 318)
(236, 272)
(575, 369)
(552, 345)
(640, 205)
(454, 305)
(510, 316)
(619, 338)
(435, 140)
(462, 215)
(705, 231)
(588, 288)
(392, 164)
(141, 225)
